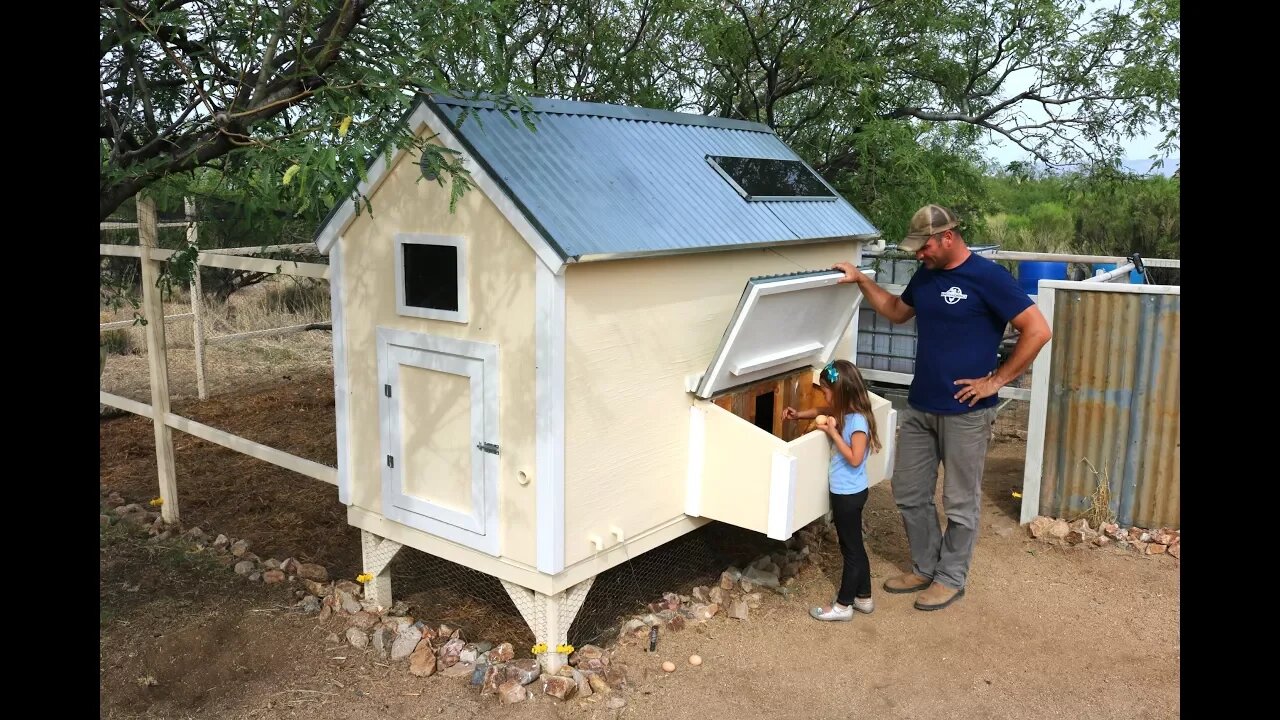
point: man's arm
(1033, 334)
(882, 301)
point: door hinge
(487, 447)
(386, 390)
(391, 462)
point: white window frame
(461, 315)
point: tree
(891, 100)
(262, 93)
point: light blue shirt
(845, 478)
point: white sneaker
(864, 605)
(835, 614)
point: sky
(1137, 150)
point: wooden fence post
(153, 310)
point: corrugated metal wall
(1114, 399)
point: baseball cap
(928, 221)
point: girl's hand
(789, 413)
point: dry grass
(1099, 512)
(235, 364)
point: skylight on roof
(764, 179)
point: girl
(852, 429)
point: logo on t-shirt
(953, 295)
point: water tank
(1031, 272)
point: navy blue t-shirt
(961, 315)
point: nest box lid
(782, 323)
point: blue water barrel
(1031, 272)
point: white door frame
(478, 362)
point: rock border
(1146, 541)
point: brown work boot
(937, 597)
(908, 583)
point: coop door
(439, 417)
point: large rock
(584, 686)
(557, 686)
(244, 567)
(312, 571)
(363, 620)
(522, 672)
(512, 692)
(598, 683)
(353, 589)
(526, 670)
(406, 642)
(1059, 529)
(462, 669)
(358, 638)
(1040, 526)
(240, 547)
(272, 577)
(383, 638)
(422, 662)
(314, 587)
(702, 613)
(500, 654)
(588, 652)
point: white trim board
(697, 459)
(341, 383)
(464, 288)
(424, 116)
(782, 495)
(1034, 463)
(549, 408)
(1085, 285)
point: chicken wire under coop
(440, 591)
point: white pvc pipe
(1122, 271)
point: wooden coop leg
(378, 552)
(549, 617)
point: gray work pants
(959, 442)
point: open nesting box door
(743, 469)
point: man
(962, 303)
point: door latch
(487, 447)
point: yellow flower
(1017, 495)
(538, 649)
(345, 126)
(364, 577)
(157, 502)
(288, 174)
(566, 648)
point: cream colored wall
(813, 485)
(737, 469)
(635, 329)
(501, 284)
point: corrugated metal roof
(1114, 398)
(604, 180)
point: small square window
(430, 276)
(431, 272)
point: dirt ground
(1042, 631)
